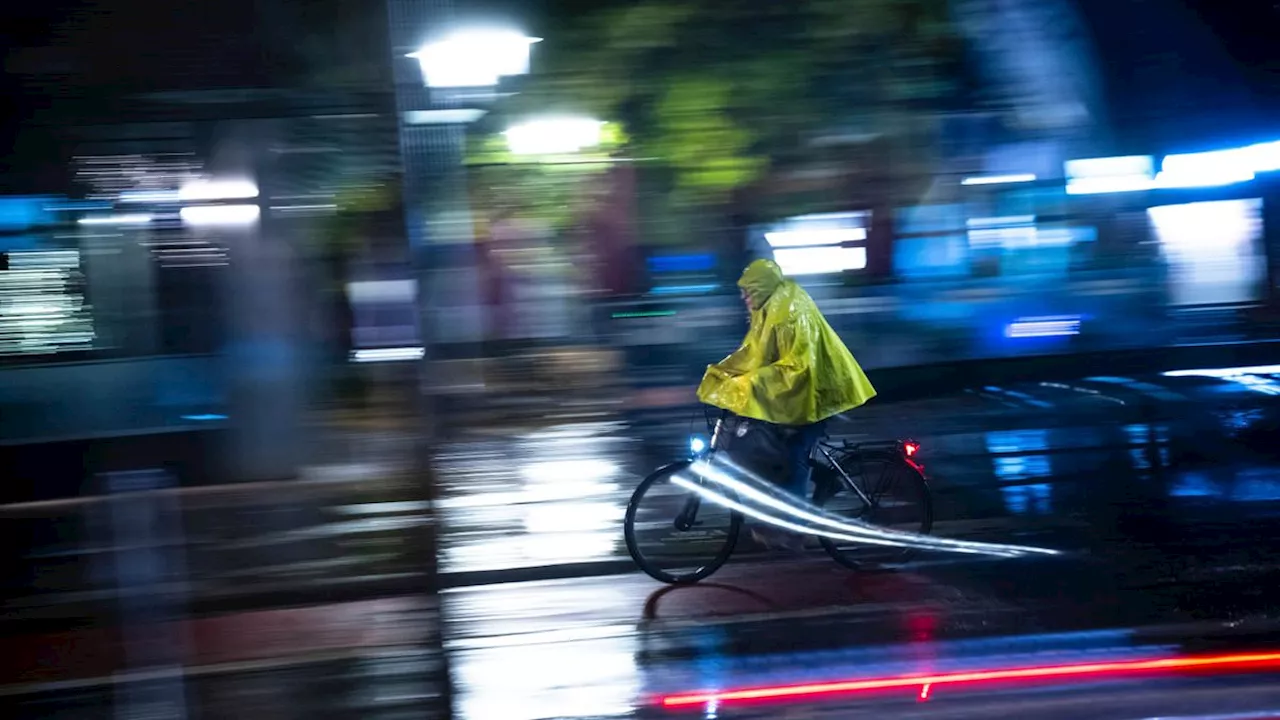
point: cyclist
(792, 373)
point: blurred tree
(553, 190)
(740, 97)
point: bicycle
(842, 481)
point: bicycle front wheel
(900, 500)
(673, 534)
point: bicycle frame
(704, 484)
(827, 449)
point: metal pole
(430, 157)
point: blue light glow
(1215, 168)
(682, 263)
(683, 289)
(1206, 169)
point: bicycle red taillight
(910, 448)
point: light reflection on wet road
(1000, 461)
(1162, 490)
(592, 647)
(541, 498)
(1117, 475)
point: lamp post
(437, 86)
(443, 85)
(474, 58)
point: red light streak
(1236, 661)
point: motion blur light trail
(753, 513)
(1100, 670)
(807, 519)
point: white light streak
(387, 354)
(220, 214)
(206, 190)
(999, 179)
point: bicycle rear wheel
(673, 534)
(900, 500)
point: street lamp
(204, 190)
(218, 192)
(462, 71)
(219, 214)
(474, 58)
(554, 136)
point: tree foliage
(726, 94)
(554, 190)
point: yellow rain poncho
(792, 368)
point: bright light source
(220, 214)
(999, 179)
(697, 445)
(474, 58)
(1264, 157)
(1213, 250)
(1038, 327)
(1256, 158)
(387, 354)
(1226, 372)
(1258, 379)
(1186, 170)
(1208, 228)
(1189, 170)
(911, 448)
(820, 260)
(1093, 176)
(455, 116)
(554, 136)
(1206, 169)
(1110, 167)
(218, 190)
(132, 219)
(807, 238)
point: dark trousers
(800, 445)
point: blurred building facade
(217, 319)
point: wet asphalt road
(1164, 490)
(1103, 457)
